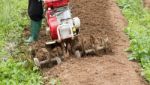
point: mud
(100, 18)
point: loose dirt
(99, 18)
(146, 3)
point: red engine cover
(53, 24)
(56, 3)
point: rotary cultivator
(64, 33)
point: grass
(13, 18)
(11, 22)
(139, 32)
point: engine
(61, 25)
(56, 3)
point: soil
(100, 18)
(146, 3)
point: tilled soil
(99, 18)
(146, 3)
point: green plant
(55, 82)
(139, 32)
(14, 73)
(12, 21)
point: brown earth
(99, 18)
(146, 3)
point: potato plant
(139, 32)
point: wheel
(57, 59)
(37, 62)
(78, 54)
